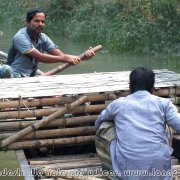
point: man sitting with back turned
(28, 46)
(138, 138)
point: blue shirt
(142, 140)
(22, 44)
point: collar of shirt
(141, 93)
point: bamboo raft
(49, 120)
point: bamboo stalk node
(33, 127)
(68, 107)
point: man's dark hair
(142, 78)
(32, 13)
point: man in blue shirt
(139, 148)
(28, 47)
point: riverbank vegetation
(133, 26)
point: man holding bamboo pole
(28, 47)
(135, 128)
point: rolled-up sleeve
(22, 43)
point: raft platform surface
(56, 85)
(65, 147)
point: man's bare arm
(55, 57)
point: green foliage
(137, 26)
(14, 11)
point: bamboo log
(46, 112)
(66, 65)
(42, 122)
(52, 142)
(55, 133)
(164, 92)
(53, 101)
(62, 122)
(63, 158)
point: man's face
(37, 23)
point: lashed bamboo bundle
(81, 135)
(55, 133)
(23, 113)
(35, 102)
(51, 101)
(61, 100)
(61, 122)
(48, 111)
(41, 123)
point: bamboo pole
(36, 102)
(47, 112)
(66, 65)
(166, 91)
(53, 101)
(42, 122)
(61, 122)
(55, 133)
(51, 142)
